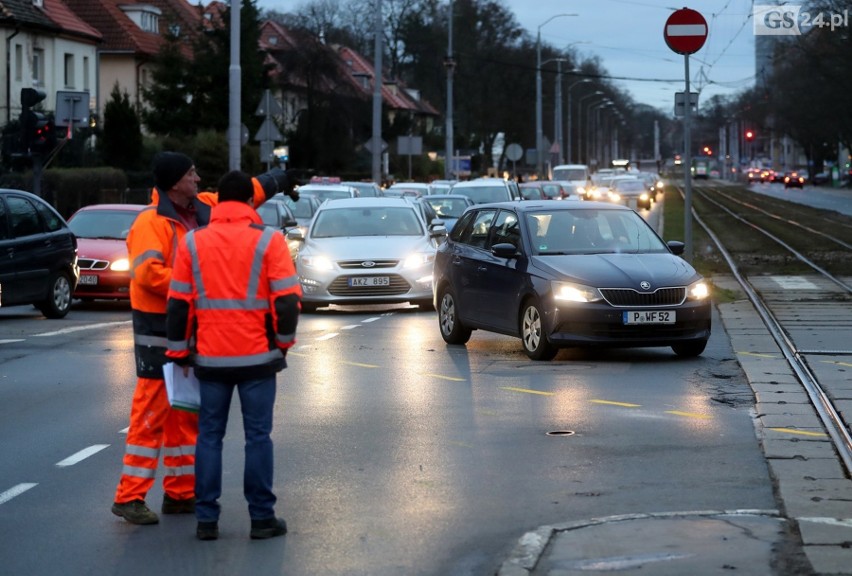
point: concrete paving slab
(826, 531)
(792, 448)
(830, 560)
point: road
(395, 454)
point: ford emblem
(368, 264)
(645, 285)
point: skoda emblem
(645, 285)
(368, 264)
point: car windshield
(324, 195)
(551, 190)
(484, 194)
(300, 209)
(448, 207)
(569, 174)
(561, 232)
(107, 224)
(373, 221)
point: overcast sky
(627, 36)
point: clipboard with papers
(184, 391)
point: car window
(23, 217)
(4, 227)
(381, 221)
(52, 221)
(460, 229)
(102, 224)
(302, 208)
(506, 229)
(484, 194)
(476, 235)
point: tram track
(731, 218)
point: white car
(484, 190)
(367, 251)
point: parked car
(568, 274)
(448, 207)
(367, 251)
(39, 263)
(483, 190)
(101, 231)
(794, 180)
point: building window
(85, 72)
(38, 67)
(69, 70)
(19, 62)
(145, 16)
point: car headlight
(571, 292)
(418, 260)
(120, 265)
(698, 291)
(318, 262)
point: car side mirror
(295, 234)
(290, 223)
(676, 246)
(504, 250)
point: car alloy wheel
(532, 333)
(452, 330)
(58, 301)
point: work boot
(207, 530)
(268, 528)
(135, 512)
(175, 506)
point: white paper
(184, 391)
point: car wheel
(532, 333)
(689, 349)
(58, 301)
(308, 307)
(452, 329)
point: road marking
(794, 283)
(81, 328)
(758, 355)
(800, 432)
(450, 378)
(15, 491)
(688, 414)
(512, 389)
(359, 364)
(328, 336)
(12, 341)
(351, 327)
(836, 363)
(124, 430)
(611, 403)
(81, 455)
(368, 320)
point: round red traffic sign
(685, 31)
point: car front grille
(624, 297)
(370, 264)
(341, 287)
(92, 264)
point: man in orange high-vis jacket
(232, 313)
(155, 427)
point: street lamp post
(580, 140)
(539, 131)
(591, 137)
(450, 65)
(568, 150)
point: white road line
(15, 491)
(368, 320)
(351, 327)
(12, 341)
(81, 328)
(82, 455)
(328, 336)
(124, 430)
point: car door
(7, 266)
(31, 252)
(469, 251)
(503, 279)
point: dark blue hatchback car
(568, 274)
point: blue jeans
(257, 398)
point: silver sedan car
(367, 251)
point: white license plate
(369, 281)
(649, 317)
(88, 279)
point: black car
(568, 274)
(39, 254)
(794, 180)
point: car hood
(367, 247)
(619, 270)
(101, 249)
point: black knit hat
(169, 168)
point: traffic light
(43, 136)
(30, 121)
(749, 135)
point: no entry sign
(685, 31)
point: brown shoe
(175, 506)
(135, 512)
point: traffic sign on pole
(685, 31)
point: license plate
(369, 281)
(649, 317)
(88, 279)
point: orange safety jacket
(234, 297)
(151, 248)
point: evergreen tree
(167, 110)
(122, 135)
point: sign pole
(687, 168)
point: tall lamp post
(580, 140)
(591, 137)
(539, 132)
(557, 106)
(568, 150)
(450, 65)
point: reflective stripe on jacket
(234, 297)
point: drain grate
(560, 433)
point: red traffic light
(749, 135)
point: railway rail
(795, 267)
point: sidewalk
(812, 490)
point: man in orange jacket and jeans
(232, 313)
(155, 427)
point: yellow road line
(451, 378)
(758, 355)
(688, 414)
(836, 363)
(800, 432)
(526, 390)
(611, 403)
